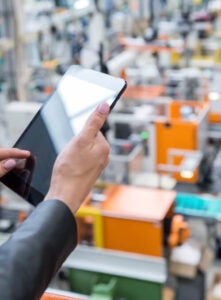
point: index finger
(6, 153)
(97, 119)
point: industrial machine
(176, 139)
(184, 131)
(131, 219)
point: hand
(8, 158)
(81, 162)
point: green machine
(111, 275)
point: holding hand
(81, 162)
(8, 158)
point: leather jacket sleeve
(36, 250)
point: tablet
(60, 118)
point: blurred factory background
(150, 229)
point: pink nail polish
(103, 108)
(9, 164)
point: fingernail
(26, 152)
(9, 164)
(103, 108)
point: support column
(21, 67)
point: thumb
(6, 166)
(97, 119)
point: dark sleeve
(36, 250)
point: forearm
(35, 252)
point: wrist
(73, 204)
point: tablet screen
(60, 118)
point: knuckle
(80, 141)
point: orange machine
(143, 93)
(184, 133)
(132, 218)
(49, 296)
(215, 118)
